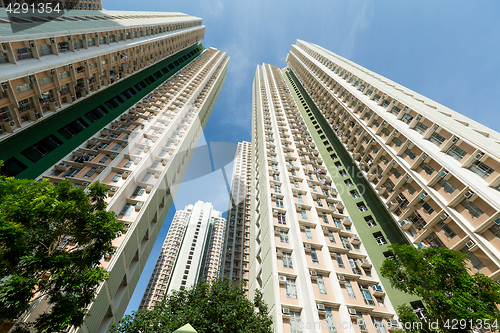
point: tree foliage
(37, 219)
(219, 307)
(441, 278)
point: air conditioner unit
(101, 167)
(85, 183)
(424, 156)
(325, 229)
(407, 177)
(444, 173)
(307, 246)
(321, 307)
(436, 127)
(423, 196)
(5, 86)
(32, 43)
(478, 156)
(53, 72)
(469, 194)
(277, 229)
(85, 62)
(352, 312)
(279, 252)
(70, 66)
(470, 244)
(274, 195)
(341, 278)
(455, 140)
(285, 311)
(313, 273)
(409, 143)
(444, 216)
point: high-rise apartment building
(435, 171)
(79, 71)
(122, 99)
(191, 252)
(306, 255)
(235, 264)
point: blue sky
(447, 50)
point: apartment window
(386, 131)
(116, 147)
(138, 192)
(483, 170)
(46, 80)
(434, 241)
(128, 164)
(308, 233)
(303, 214)
(420, 128)
(281, 218)
(427, 168)
(300, 198)
(379, 238)
(321, 284)
(64, 74)
(380, 301)
(448, 231)
(318, 201)
(116, 178)
(353, 262)
(410, 154)
(397, 142)
(295, 322)
(456, 152)
(337, 223)
(396, 173)
(71, 172)
(279, 202)
(437, 139)
(330, 322)
(389, 185)
(314, 256)
(349, 289)
(277, 188)
(276, 177)
(287, 260)
(447, 186)
(296, 184)
(345, 243)
(23, 87)
(367, 296)
(427, 208)
(284, 237)
(331, 237)
(340, 262)
(474, 260)
(472, 208)
(495, 228)
(291, 290)
(378, 323)
(384, 159)
(89, 173)
(127, 210)
(409, 188)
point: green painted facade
(17, 150)
(336, 158)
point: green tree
(441, 278)
(218, 307)
(37, 220)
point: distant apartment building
(122, 100)
(306, 255)
(235, 260)
(191, 252)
